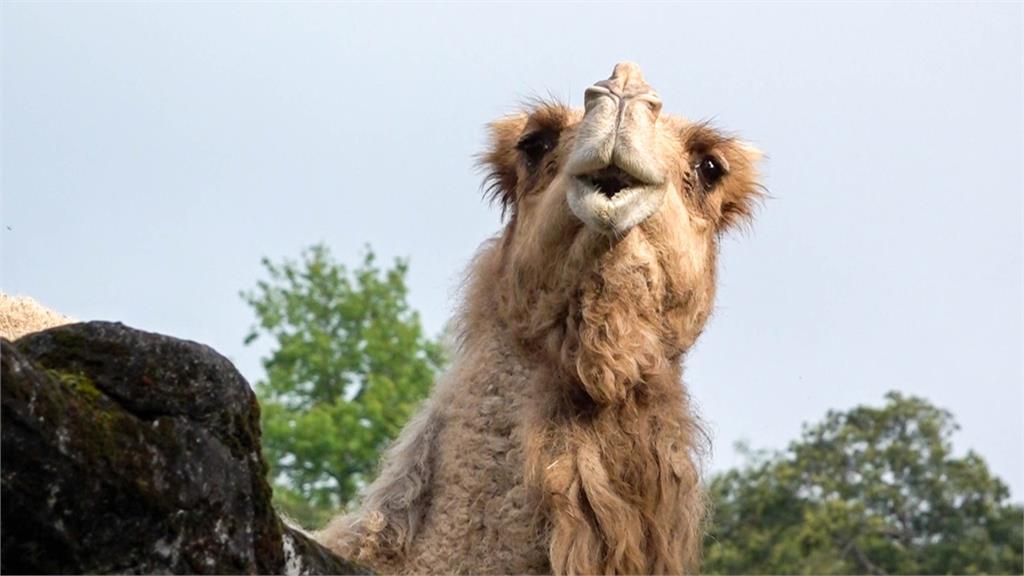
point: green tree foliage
(348, 365)
(869, 491)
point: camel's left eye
(536, 144)
(710, 170)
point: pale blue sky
(153, 153)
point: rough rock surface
(125, 451)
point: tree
(869, 491)
(349, 364)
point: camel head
(607, 263)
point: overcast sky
(153, 153)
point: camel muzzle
(618, 180)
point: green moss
(239, 431)
(79, 383)
(102, 431)
(67, 339)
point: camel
(562, 439)
(21, 315)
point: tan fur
(21, 315)
(562, 440)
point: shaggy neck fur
(567, 390)
(610, 436)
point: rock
(126, 451)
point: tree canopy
(348, 365)
(868, 491)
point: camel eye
(536, 144)
(710, 170)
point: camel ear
(500, 161)
(741, 189)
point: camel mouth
(610, 180)
(612, 201)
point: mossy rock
(126, 451)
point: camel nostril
(594, 94)
(654, 105)
(652, 101)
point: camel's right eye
(536, 144)
(710, 170)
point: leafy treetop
(348, 365)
